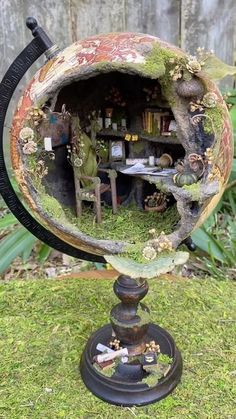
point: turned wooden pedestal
(130, 324)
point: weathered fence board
(188, 23)
(210, 24)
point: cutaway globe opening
(117, 122)
(115, 145)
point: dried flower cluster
(177, 71)
(30, 147)
(26, 134)
(115, 344)
(149, 253)
(215, 174)
(36, 115)
(209, 155)
(75, 152)
(162, 243)
(209, 100)
(152, 346)
(202, 55)
(41, 170)
(193, 66)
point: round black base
(125, 388)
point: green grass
(44, 325)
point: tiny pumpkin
(185, 178)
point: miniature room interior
(117, 140)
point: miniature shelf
(121, 134)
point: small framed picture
(117, 150)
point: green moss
(108, 372)
(154, 67)
(214, 120)
(53, 208)
(156, 62)
(194, 189)
(129, 224)
(165, 359)
(46, 323)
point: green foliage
(45, 325)
(17, 241)
(217, 237)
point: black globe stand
(125, 387)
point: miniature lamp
(164, 159)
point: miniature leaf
(164, 263)
(217, 69)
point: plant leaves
(164, 263)
(7, 221)
(217, 69)
(44, 252)
(13, 245)
(205, 242)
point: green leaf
(164, 263)
(205, 242)
(44, 252)
(217, 69)
(7, 221)
(13, 245)
(29, 245)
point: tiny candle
(48, 143)
(151, 160)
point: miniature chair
(93, 192)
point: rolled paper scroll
(110, 356)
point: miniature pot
(165, 160)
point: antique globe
(121, 145)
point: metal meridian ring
(7, 87)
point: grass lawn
(44, 325)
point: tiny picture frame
(116, 150)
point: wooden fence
(186, 23)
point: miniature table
(138, 181)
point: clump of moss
(214, 120)
(194, 189)
(155, 64)
(53, 208)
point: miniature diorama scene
(123, 159)
(107, 143)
